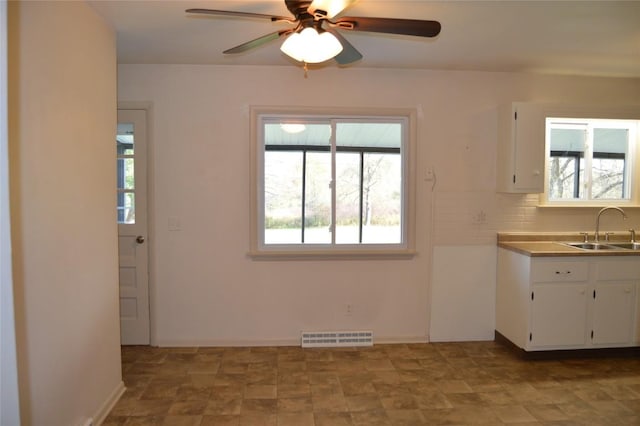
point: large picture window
(590, 160)
(331, 182)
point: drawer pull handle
(563, 273)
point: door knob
(139, 239)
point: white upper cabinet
(521, 145)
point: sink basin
(593, 246)
(631, 246)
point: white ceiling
(600, 38)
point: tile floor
(407, 384)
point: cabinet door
(521, 144)
(613, 307)
(558, 315)
(529, 148)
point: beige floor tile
(224, 405)
(295, 419)
(370, 418)
(144, 421)
(547, 412)
(293, 391)
(332, 419)
(192, 408)
(258, 419)
(295, 405)
(513, 414)
(220, 420)
(182, 420)
(260, 392)
(406, 384)
(329, 403)
(406, 417)
(358, 403)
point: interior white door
(131, 162)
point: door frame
(151, 225)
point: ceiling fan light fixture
(293, 128)
(311, 47)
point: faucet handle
(633, 235)
(607, 234)
(586, 236)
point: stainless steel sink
(592, 246)
(628, 246)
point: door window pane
(125, 139)
(126, 208)
(126, 177)
(125, 173)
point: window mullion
(577, 181)
(588, 162)
(332, 184)
(304, 193)
(361, 195)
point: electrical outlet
(480, 217)
(174, 223)
(348, 311)
(429, 175)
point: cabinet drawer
(615, 270)
(542, 272)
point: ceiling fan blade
(328, 8)
(238, 14)
(413, 27)
(349, 53)
(257, 42)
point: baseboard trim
(276, 342)
(226, 343)
(485, 338)
(108, 404)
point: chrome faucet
(633, 235)
(624, 216)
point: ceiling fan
(314, 37)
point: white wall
(62, 117)
(206, 290)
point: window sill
(402, 254)
(588, 206)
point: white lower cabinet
(613, 310)
(552, 303)
(558, 315)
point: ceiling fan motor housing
(299, 9)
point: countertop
(549, 244)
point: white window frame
(594, 112)
(258, 248)
(589, 125)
